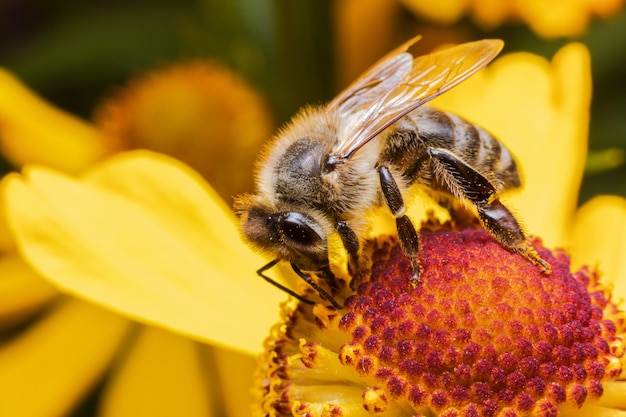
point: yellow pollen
(375, 400)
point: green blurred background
(74, 53)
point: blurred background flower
(168, 75)
(549, 19)
(198, 111)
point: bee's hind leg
(503, 226)
(409, 240)
(466, 182)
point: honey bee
(367, 148)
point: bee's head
(289, 234)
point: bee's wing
(398, 84)
(378, 79)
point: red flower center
(484, 334)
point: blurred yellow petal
(236, 373)
(600, 239)
(541, 111)
(444, 11)
(492, 13)
(161, 375)
(33, 131)
(159, 248)
(22, 292)
(555, 18)
(606, 8)
(550, 19)
(47, 370)
(7, 243)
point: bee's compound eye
(298, 229)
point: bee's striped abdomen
(429, 128)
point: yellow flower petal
(7, 242)
(614, 397)
(555, 18)
(159, 248)
(492, 13)
(600, 239)
(49, 368)
(236, 378)
(32, 131)
(175, 193)
(544, 122)
(549, 19)
(148, 382)
(445, 12)
(22, 292)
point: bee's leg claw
(545, 267)
(529, 252)
(417, 269)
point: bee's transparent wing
(399, 84)
(377, 80)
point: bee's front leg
(321, 291)
(261, 272)
(409, 240)
(304, 276)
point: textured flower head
(484, 334)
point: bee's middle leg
(409, 240)
(495, 217)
